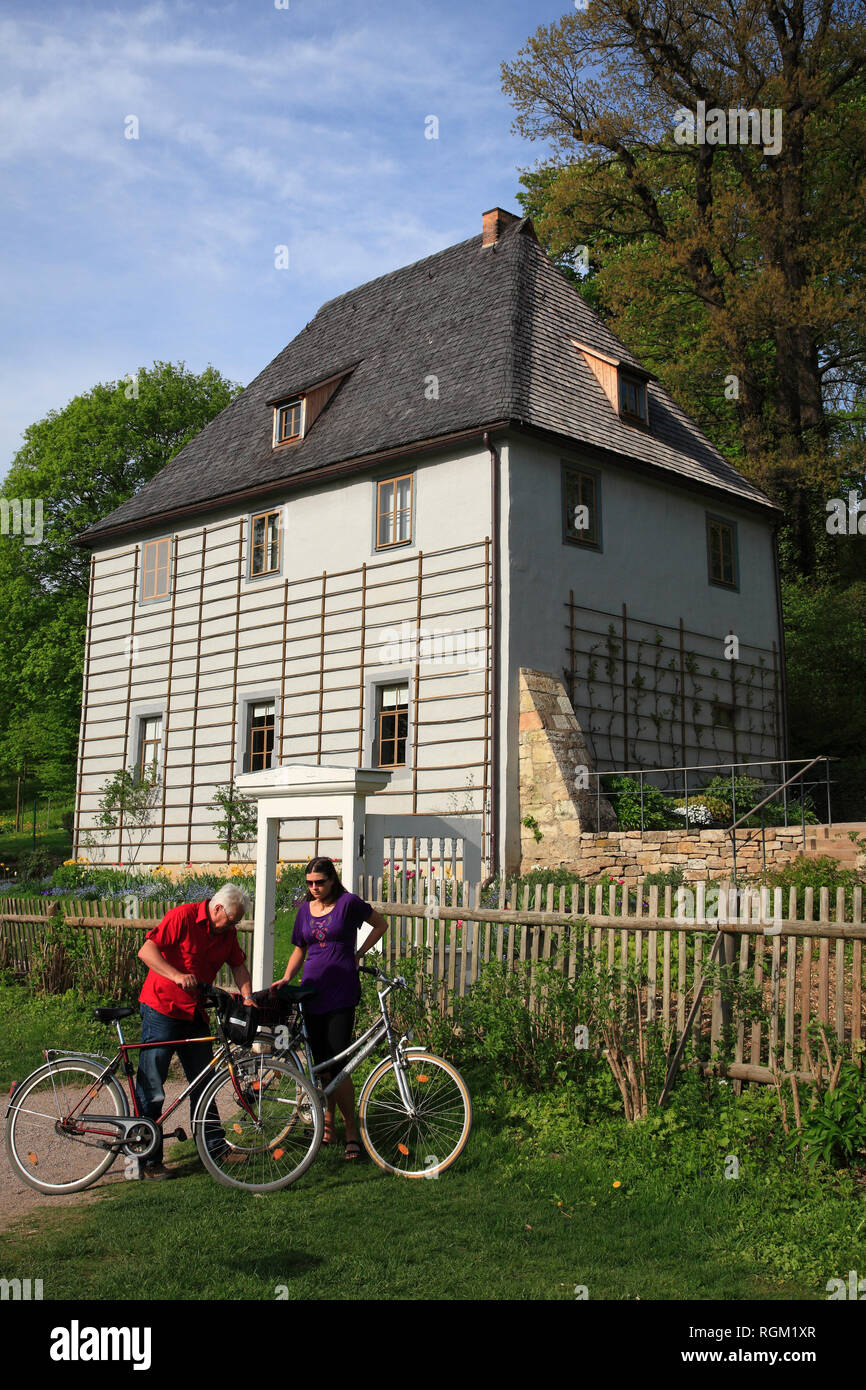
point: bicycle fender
(48, 1067)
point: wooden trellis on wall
(651, 695)
(316, 641)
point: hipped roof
(494, 325)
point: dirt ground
(18, 1200)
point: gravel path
(18, 1200)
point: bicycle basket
(242, 1021)
(239, 1021)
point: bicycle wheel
(270, 1137)
(424, 1143)
(49, 1141)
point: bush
(748, 791)
(834, 1129)
(818, 873)
(625, 796)
(717, 811)
(35, 864)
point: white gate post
(266, 892)
(302, 791)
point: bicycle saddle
(293, 994)
(109, 1015)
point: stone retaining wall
(631, 855)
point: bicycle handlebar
(380, 975)
(210, 995)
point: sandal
(354, 1152)
(328, 1135)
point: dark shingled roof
(495, 325)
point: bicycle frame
(223, 1056)
(355, 1053)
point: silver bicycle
(414, 1110)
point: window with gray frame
(394, 512)
(150, 745)
(580, 501)
(265, 544)
(156, 569)
(259, 742)
(392, 724)
(722, 552)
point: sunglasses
(317, 882)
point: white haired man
(187, 949)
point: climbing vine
(665, 700)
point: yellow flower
(617, 1184)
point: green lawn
(56, 840)
(529, 1211)
(491, 1228)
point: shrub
(834, 1129)
(35, 864)
(717, 810)
(822, 872)
(748, 791)
(625, 796)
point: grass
(529, 1211)
(497, 1226)
(59, 1020)
(56, 840)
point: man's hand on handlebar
(187, 982)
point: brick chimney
(493, 224)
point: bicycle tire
(34, 1138)
(403, 1144)
(275, 1145)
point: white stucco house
(452, 474)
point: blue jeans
(153, 1064)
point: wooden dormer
(622, 382)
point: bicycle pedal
(178, 1133)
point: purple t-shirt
(330, 942)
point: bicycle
(257, 1125)
(414, 1110)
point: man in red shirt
(188, 948)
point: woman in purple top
(325, 940)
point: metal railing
(778, 788)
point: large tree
(77, 465)
(734, 269)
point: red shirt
(186, 939)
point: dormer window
(289, 421)
(624, 384)
(295, 415)
(632, 398)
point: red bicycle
(258, 1123)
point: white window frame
(278, 409)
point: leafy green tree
(126, 808)
(726, 268)
(79, 463)
(825, 637)
(236, 818)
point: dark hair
(328, 868)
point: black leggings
(330, 1033)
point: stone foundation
(702, 854)
(556, 791)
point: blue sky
(257, 127)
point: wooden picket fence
(806, 962)
(807, 967)
(21, 930)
